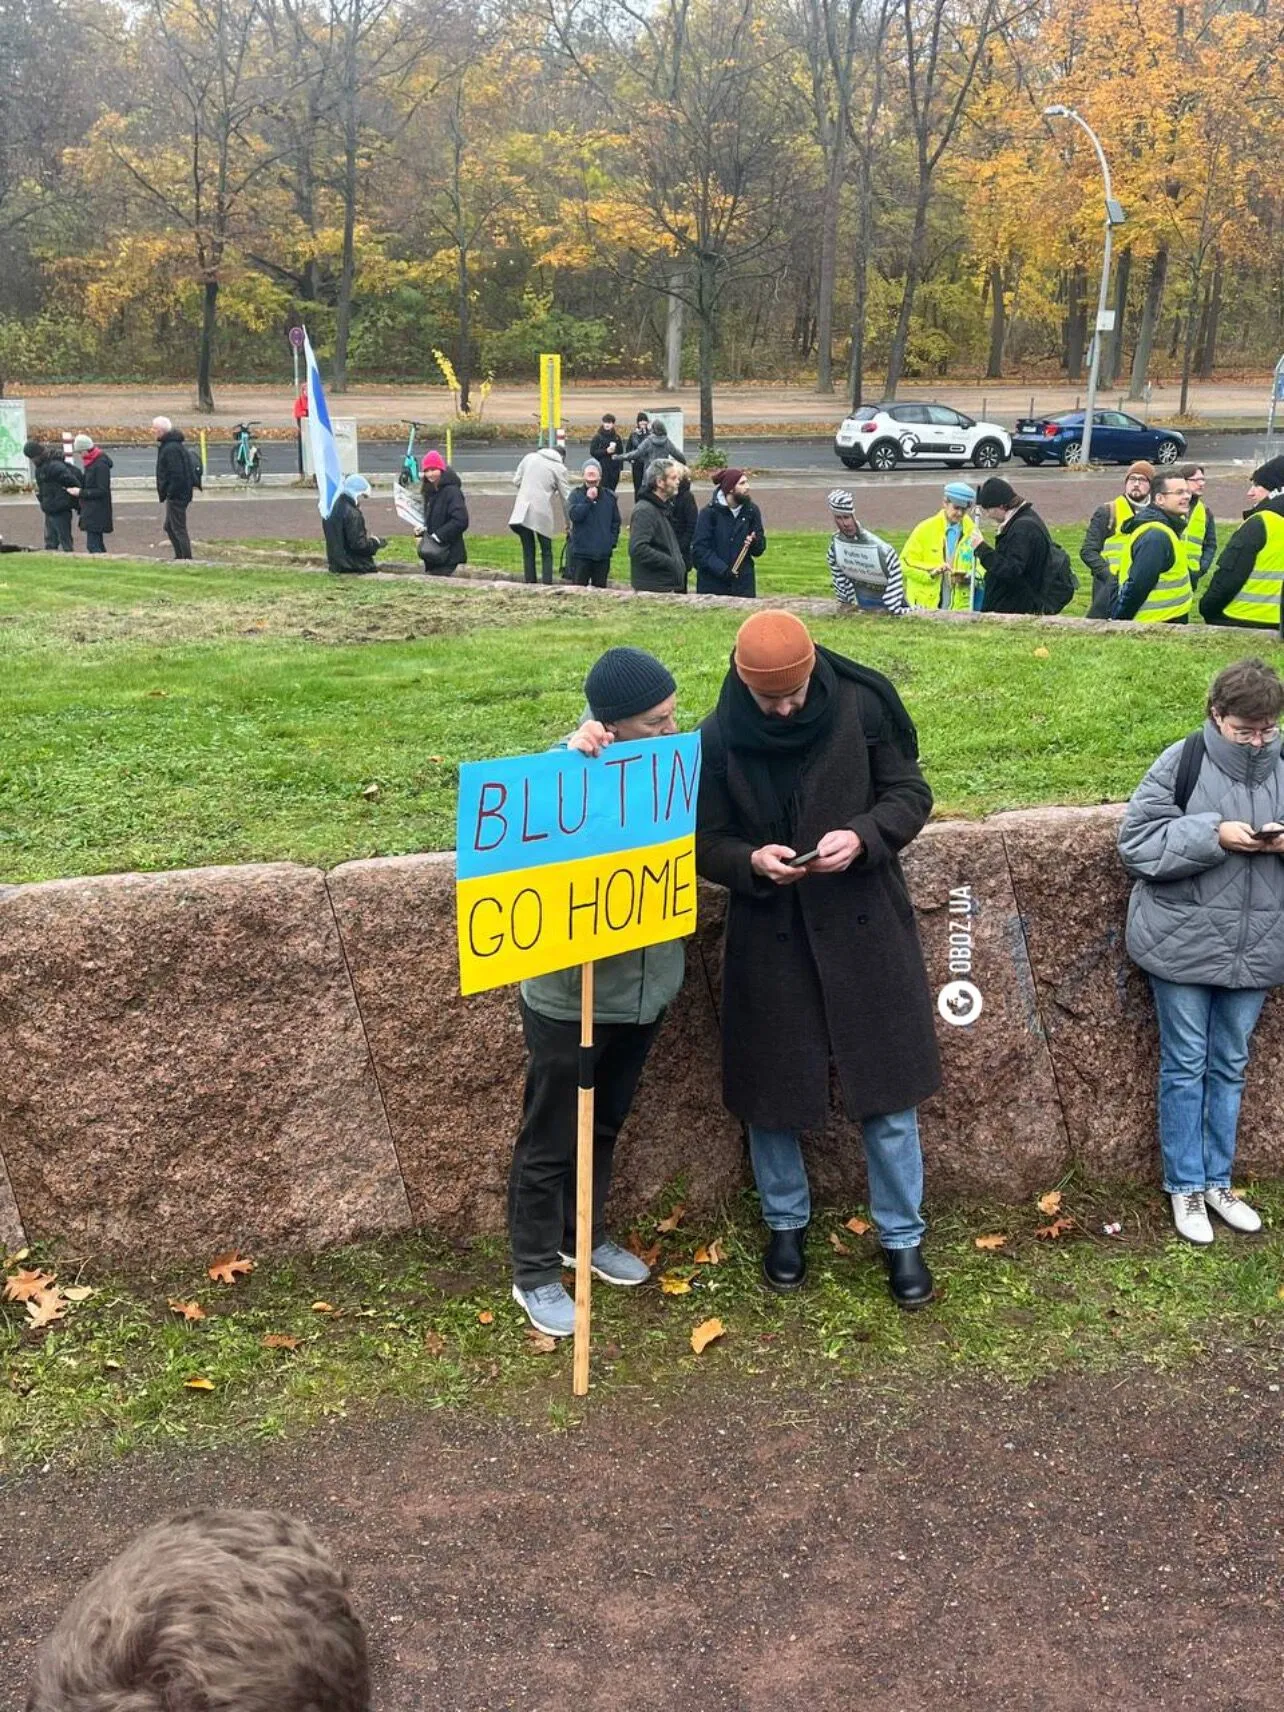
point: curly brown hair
(1247, 689)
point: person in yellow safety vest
(1156, 576)
(1247, 584)
(1200, 534)
(1103, 543)
(939, 558)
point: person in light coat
(1203, 838)
(539, 513)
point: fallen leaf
(15, 1257)
(324, 1308)
(24, 1285)
(705, 1333)
(48, 1306)
(1041, 654)
(279, 1340)
(370, 793)
(858, 1227)
(112, 1366)
(710, 1256)
(648, 1256)
(198, 1384)
(997, 1240)
(674, 1286)
(540, 1341)
(837, 1244)
(1057, 1228)
(673, 1221)
(79, 1292)
(611, 1352)
(486, 1318)
(434, 757)
(434, 1343)
(1280, 1292)
(227, 1268)
(189, 1310)
(1051, 1202)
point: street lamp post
(1114, 217)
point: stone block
(182, 1066)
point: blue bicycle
(247, 465)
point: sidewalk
(104, 410)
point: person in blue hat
(939, 558)
(349, 547)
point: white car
(884, 435)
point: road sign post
(550, 397)
(1277, 398)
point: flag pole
(584, 1188)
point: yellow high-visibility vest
(1172, 596)
(1112, 548)
(1258, 602)
(1194, 535)
(922, 554)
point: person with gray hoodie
(1203, 838)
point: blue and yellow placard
(562, 859)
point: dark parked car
(1116, 439)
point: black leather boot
(784, 1265)
(908, 1278)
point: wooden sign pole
(740, 558)
(584, 1189)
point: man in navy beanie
(630, 696)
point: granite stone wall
(280, 1058)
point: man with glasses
(1154, 571)
(1202, 837)
(1103, 542)
(1245, 590)
(1200, 534)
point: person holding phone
(1202, 837)
(809, 789)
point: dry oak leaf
(858, 1227)
(1051, 1202)
(673, 1221)
(23, 1286)
(17, 1255)
(227, 1268)
(710, 1256)
(279, 1340)
(837, 1243)
(324, 1308)
(44, 1309)
(198, 1384)
(1041, 654)
(705, 1333)
(540, 1341)
(434, 1343)
(79, 1292)
(486, 1318)
(189, 1310)
(997, 1240)
(673, 1285)
(1057, 1228)
(648, 1256)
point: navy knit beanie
(626, 681)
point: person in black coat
(607, 446)
(809, 754)
(445, 517)
(641, 432)
(175, 483)
(95, 493)
(1016, 564)
(684, 514)
(349, 548)
(57, 492)
(727, 524)
(594, 515)
(655, 559)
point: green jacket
(634, 986)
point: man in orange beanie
(809, 788)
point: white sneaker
(1237, 1214)
(1191, 1219)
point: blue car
(1116, 439)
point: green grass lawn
(159, 716)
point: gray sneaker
(548, 1308)
(614, 1265)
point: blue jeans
(1203, 1053)
(894, 1161)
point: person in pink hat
(441, 541)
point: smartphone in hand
(811, 855)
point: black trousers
(528, 538)
(176, 527)
(541, 1184)
(58, 532)
(611, 474)
(1104, 590)
(586, 571)
(94, 541)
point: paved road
(382, 457)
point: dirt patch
(1104, 1543)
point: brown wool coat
(831, 967)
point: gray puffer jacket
(1198, 913)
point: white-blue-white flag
(325, 453)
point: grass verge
(411, 1322)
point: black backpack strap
(1192, 759)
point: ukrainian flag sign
(562, 859)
